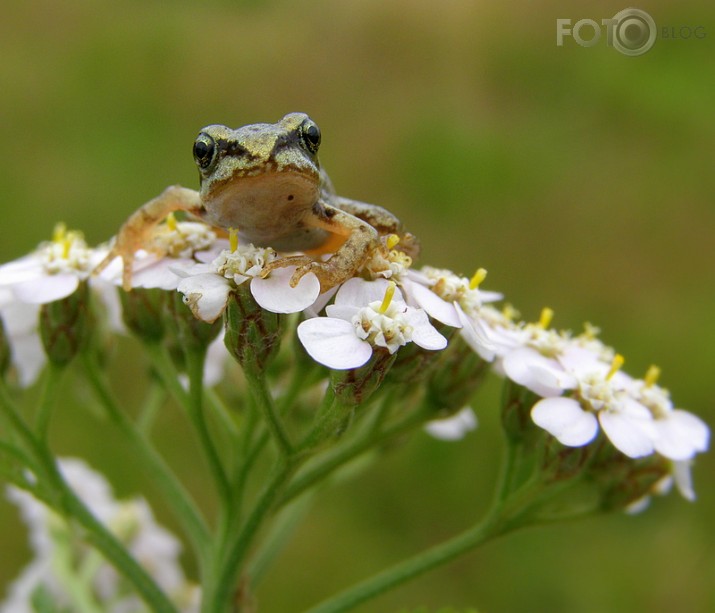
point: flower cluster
(58, 551)
(578, 378)
(390, 349)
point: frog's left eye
(310, 135)
(204, 150)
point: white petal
(275, 294)
(46, 289)
(452, 428)
(564, 419)
(332, 342)
(540, 374)
(28, 357)
(342, 311)
(423, 332)
(314, 309)
(358, 292)
(475, 335)
(160, 274)
(439, 309)
(24, 269)
(680, 435)
(205, 295)
(683, 479)
(630, 431)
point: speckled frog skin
(264, 180)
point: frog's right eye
(204, 150)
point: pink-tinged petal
(423, 332)
(475, 335)
(205, 295)
(46, 289)
(358, 292)
(680, 435)
(333, 343)
(275, 294)
(629, 429)
(564, 419)
(540, 374)
(452, 428)
(439, 309)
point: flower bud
(65, 326)
(516, 411)
(193, 334)
(144, 312)
(252, 334)
(356, 385)
(622, 481)
(455, 378)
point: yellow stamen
(590, 331)
(67, 245)
(59, 232)
(545, 318)
(171, 222)
(392, 240)
(652, 375)
(509, 312)
(616, 365)
(477, 278)
(233, 238)
(389, 293)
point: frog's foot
(329, 273)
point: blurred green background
(580, 178)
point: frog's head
(260, 164)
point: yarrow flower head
(365, 315)
(54, 270)
(206, 286)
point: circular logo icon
(635, 32)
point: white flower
(206, 286)
(600, 398)
(362, 317)
(175, 245)
(454, 427)
(132, 521)
(679, 435)
(53, 271)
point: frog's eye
(310, 135)
(204, 149)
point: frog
(264, 182)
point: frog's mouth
(272, 203)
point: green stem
(411, 568)
(48, 399)
(180, 501)
(350, 451)
(195, 364)
(264, 402)
(217, 598)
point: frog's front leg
(136, 232)
(381, 219)
(361, 240)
